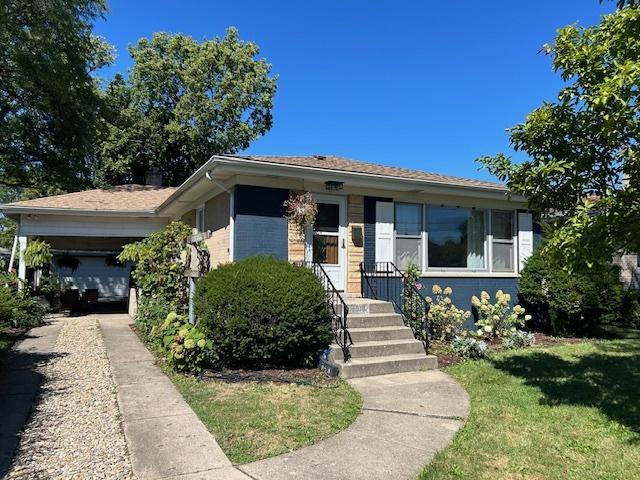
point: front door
(326, 243)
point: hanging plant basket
(37, 254)
(68, 261)
(301, 210)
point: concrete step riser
(364, 308)
(384, 368)
(364, 321)
(380, 335)
(365, 351)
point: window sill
(463, 274)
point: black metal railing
(385, 281)
(338, 308)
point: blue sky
(420, 84)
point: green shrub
(152, 312)
(564, 302)
(412, 303)
(445, 319)
(518, 339)
(159, 270)
(263, 312)
(630, 310)
(184, 346)
(469, 347)
(17, 308)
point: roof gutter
(208, 169)
(12, 209)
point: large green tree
(182, 102)
(583, 158)
(48, 97)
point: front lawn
(564, 412)
(255, 420)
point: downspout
(192, 280)
(211, 178)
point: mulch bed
(446, 359)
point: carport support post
(22, 267)
(192, 290)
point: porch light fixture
(332, 185)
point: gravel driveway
(74, 431)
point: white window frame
(419, 237)
(487, 221)
(513, 241)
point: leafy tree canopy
(183, 102)
(583, 166)
(48, 98)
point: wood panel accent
(355, 254)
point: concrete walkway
(20, 383)
(166, 440)
(406, 419)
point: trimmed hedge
(263, 312)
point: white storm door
(327, 240)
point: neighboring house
(467, 234)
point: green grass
(564, 412)
(252, 420)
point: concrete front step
(379, 349)
(376, 334)
(369, 320)
(366, 367)
(366, 305)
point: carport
(86, 230)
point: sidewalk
(406, 419)
(165, 438)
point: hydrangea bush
(497, 319)
(412, 300)
(445, 319)
(184, 346)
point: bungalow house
(464, 233)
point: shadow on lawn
(608, 380)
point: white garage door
(93, 272)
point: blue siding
(463, 289)
(260, 227)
